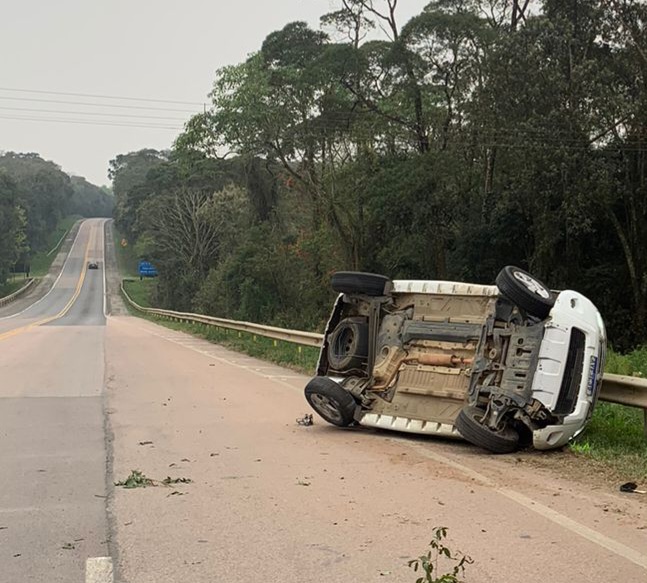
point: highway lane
(53, 484)
(87, 246)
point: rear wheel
(356, 282)
(468, 423)
(331, 401)
(525, 291)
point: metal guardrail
(15, 295)
(295, 336)
(624, 390)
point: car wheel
(348, 344)
(355, 282)
(331, 401)
(525, 291)
(470, 427)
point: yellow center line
(67, 307)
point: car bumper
(569, 369)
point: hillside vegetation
(478, 134)
(38, 203)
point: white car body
(574, 372)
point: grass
(41, 261)
(141, 291)
(11, 286)
(615, 436)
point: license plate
(593, 370)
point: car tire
(356, 282)
(470, 427)
(348, 344)
(525, 291)
(331, 401)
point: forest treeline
(477, 134)
(34, 195)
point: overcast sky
(152, 49)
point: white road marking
(177, 339)
(610, 544)
(99, 570)
(103, 266)
(69, 254)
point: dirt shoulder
(114, 303)
(355, 504)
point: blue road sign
(147, 269)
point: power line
(97, 113)
(86, 104)
(97, 96)
(92, 123)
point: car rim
(479, 419)
(326, 405)
(531, 284)
(344, 342)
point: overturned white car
(504, 366)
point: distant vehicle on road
(504, 366)
(147, 269)
(93, 265)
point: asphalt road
(85, 400)
(53, 485)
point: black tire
(468, 424)
(525, 291)
(355, 282)
(331, 401)
(348, 344)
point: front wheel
(331, 401)
(526, 291)
(468, 423)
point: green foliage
(89, 200)
(136, 479)
(41, 261)
(142, 292)
(615, 436)
(35, 197)
(633, 363)
(11, 286)
(470, 138)
(10, 227)
(43, 190)
(431, 562)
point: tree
(11, 234)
